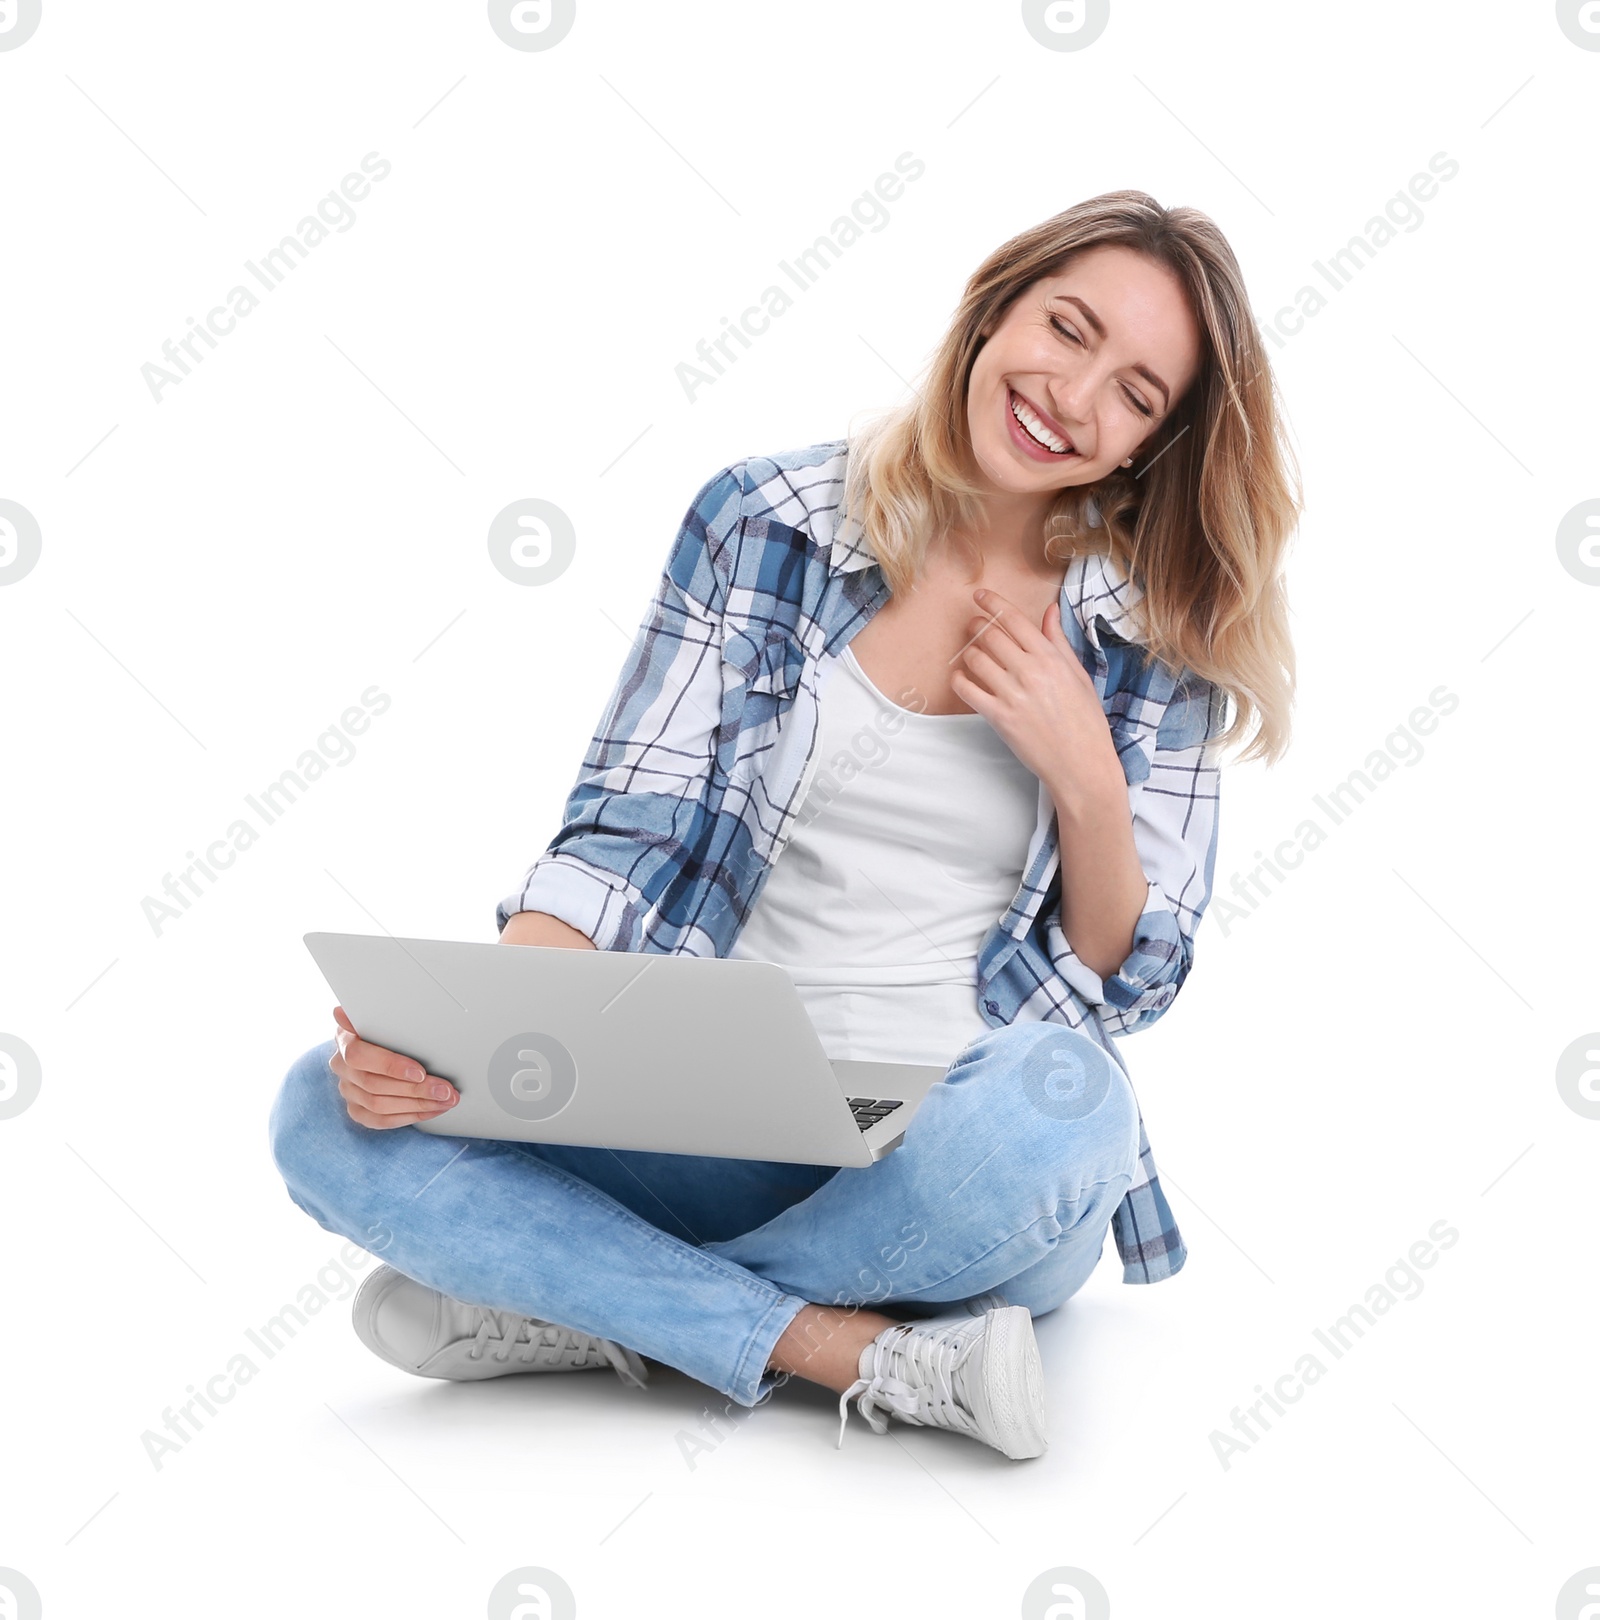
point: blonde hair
(1202, 528)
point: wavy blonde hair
(1202, 528)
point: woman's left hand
(1028, 684)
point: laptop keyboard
(869, 1110)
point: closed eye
(1065, 330)
(1133, 399)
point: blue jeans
(703, 1262)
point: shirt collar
(1098, 592)
(842, 537)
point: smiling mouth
(1031, 423)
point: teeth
(1035, 429)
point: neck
(1008, 534)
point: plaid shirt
(702, 761)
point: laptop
(620, 1049)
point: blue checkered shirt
(702, 760)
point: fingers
(384, 1122)
(980, 666)
(383, 1089)
(992, 642)
(355, 1089)
(433, 1092)
(970, 692)
(373, 1059)
(1004, 614)
(380, 1110)
(1003, 632)
(360, 1054)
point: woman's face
(1084, 368)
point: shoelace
(544, 1344)
(933, 1356)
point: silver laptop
(620, 1049)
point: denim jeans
(998, 1186)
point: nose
(1072, 399)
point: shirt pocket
(761, 670)
(763, 661)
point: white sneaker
(976, 1375)
(422, 1331)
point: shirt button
(992, 1007)
(1164, 998)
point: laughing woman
(1056, 580)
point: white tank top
(909, 845)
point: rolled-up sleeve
(634, 814)
(1175, 831)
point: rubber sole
(1013, 1381)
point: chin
(1003, 467)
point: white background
(1371, 1051)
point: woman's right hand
(381, 1088)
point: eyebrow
(1100, 332)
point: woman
(1064, 562)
